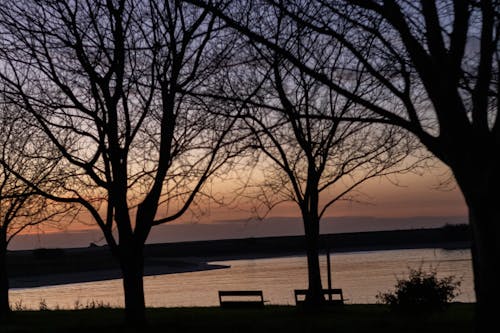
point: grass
(350, 318)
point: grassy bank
(351, 318)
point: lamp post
(328, 267)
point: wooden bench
(334, 296)
(232, 298)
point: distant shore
(46, 267)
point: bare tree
(22, 208)
(436, 66)
(107, 82)
(310, 155)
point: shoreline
(48, 280)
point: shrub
(19, 306)
(421, 292)
(91, 304)
(43, 305)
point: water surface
(361, 275)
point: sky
(417, 201)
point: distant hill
(238, 229)
(449, 236)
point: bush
(421, 292)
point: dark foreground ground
(351, 318)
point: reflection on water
(361, 275)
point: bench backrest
(333, 292)
(326, 292)
(240, 293)
(249, 298)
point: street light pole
(328, 267)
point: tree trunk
(486, 258)
(314, 296)
(486, 264)
(480, 183)
(4, 281)
(132, 265)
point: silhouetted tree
(435, 65)
(107, 83)
(22, 208)
(309, 154)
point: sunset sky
(418, 201)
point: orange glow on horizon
(415, 196)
